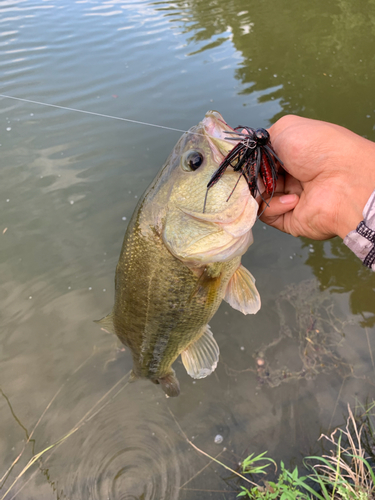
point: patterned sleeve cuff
(362, 240)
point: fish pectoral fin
(169, 384)
(200, 358)
(106, 323)
(208, 282)
(241, 292)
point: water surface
(69, 183)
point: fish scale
(146, 310)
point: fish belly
(159, 307)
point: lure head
(262, 136)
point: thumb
(273, 211)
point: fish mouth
(240, 214)
(216, 130)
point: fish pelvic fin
(241, 292)
(201, 357)
(106, 323)
(169, 384)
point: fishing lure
(252, 156)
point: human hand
(328, 176)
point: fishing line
(94, 114)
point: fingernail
(288, 198)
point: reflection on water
(69, 183)
(310, 326)
(310, 58)
(339, 271)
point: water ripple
(127, 452)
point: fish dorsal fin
(106, 323)
(241, 292)
(201, 358)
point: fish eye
(192, 160)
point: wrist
(351, 217)
(359, 188)
(362, 240)
(352, 211)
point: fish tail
(170, 384)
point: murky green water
(68, 185)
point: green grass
(347, 473)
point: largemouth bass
(179, 262)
